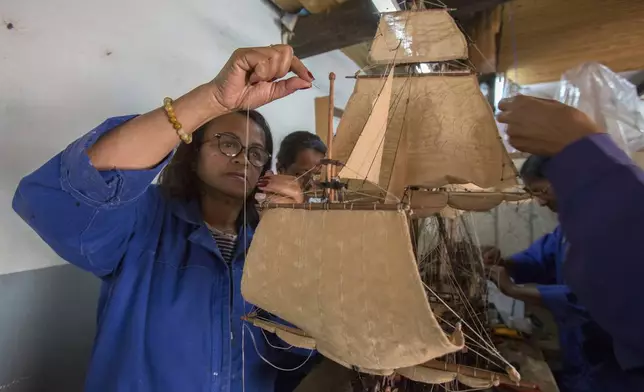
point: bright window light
(385, 5)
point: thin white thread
(272, 345)
(490, 347)
(244, 222)
(473, 342)
(492, 350)
(468, 306)
(252, 337)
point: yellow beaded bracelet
(169, 111)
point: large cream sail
(359, 296)
(440, 131)
(450, 136)
(417, 37)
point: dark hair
(295, 142)
(179, 179)
(534, 167)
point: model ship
(385, 277)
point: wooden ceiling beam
(348, 24)
(355, 22)
(464, 9)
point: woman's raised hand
(281, 188)
(251, 77)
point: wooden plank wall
(553, 36)
(482, 30)
(313, 6)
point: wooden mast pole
(330, 169)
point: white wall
(68, 64)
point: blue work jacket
(542, 263)
(169, 314)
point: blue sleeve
(85, 215)
(536, 264)
(601, 208)
(561, 302)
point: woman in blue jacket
(599, 192)
(171, 256)
(542, 264)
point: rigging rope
(252, 337)
(492, 350)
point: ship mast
(329, 139)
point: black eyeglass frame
(242, 148)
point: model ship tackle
(395, 286)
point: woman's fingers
(286, 87)
(267, 67)
(298, 68)
(505, 103)
(281, 57)
(268, 64)
(504, 117)
(289, 62)
(261, 68)
(281, 185)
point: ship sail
(440, 129)
(303, 268)
(450, 136)
(417, 37)
(364, 161)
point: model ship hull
(352, 278)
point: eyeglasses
(231, 146)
